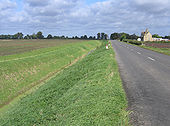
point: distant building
(146, 36)
(160, 39)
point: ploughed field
(9, 47)
(158, 45)
(34, 61)
(161, 47)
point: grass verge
(20, 72)
(165, 51)
(87, 93)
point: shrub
(133, 41)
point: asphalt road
(146, 79)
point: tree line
(122, 36)
(39, 35)
(100, 36)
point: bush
(133, 41)
(136, 42)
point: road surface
(146, 79)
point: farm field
(161, 47)
(89, 92)
(158, 47)
(165, 51)
(8, 47)
(20, 72)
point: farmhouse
(146, 36)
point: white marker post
(107, 46)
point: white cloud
(74, 17)
(7, 5)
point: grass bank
(165, 51)
(20, 72)
(87, 93)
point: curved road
(146, 78)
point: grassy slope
(20, 72)
(88, 93)
(160, 50)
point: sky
(80, 17)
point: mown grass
(87, 93)
(20, 72)
(165, 51)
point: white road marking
(131, 49)
(151, 58)
(138, 53)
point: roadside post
(107, 46)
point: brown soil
(9, 47)
(158, 45)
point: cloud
(154, 7)
(7, 5)
(37, 3)
(74, 17)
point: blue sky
(93, 1)
(79, 17)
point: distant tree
(62, 37)
(27, 37)
(133, 36)
(105, 36)
(40, 35)
(15, 36)
(6, 36)
(76, 37)
(98, 36)
(82, 37)
(49, 36)
(123, 36)
(56, 37)
(85, 37)
(94, 37)
(114, 36)
(90, 37)
(127, 35)
(156, 36)
(102, 35)
(33, 36)
(167, 37)
(20, 35)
